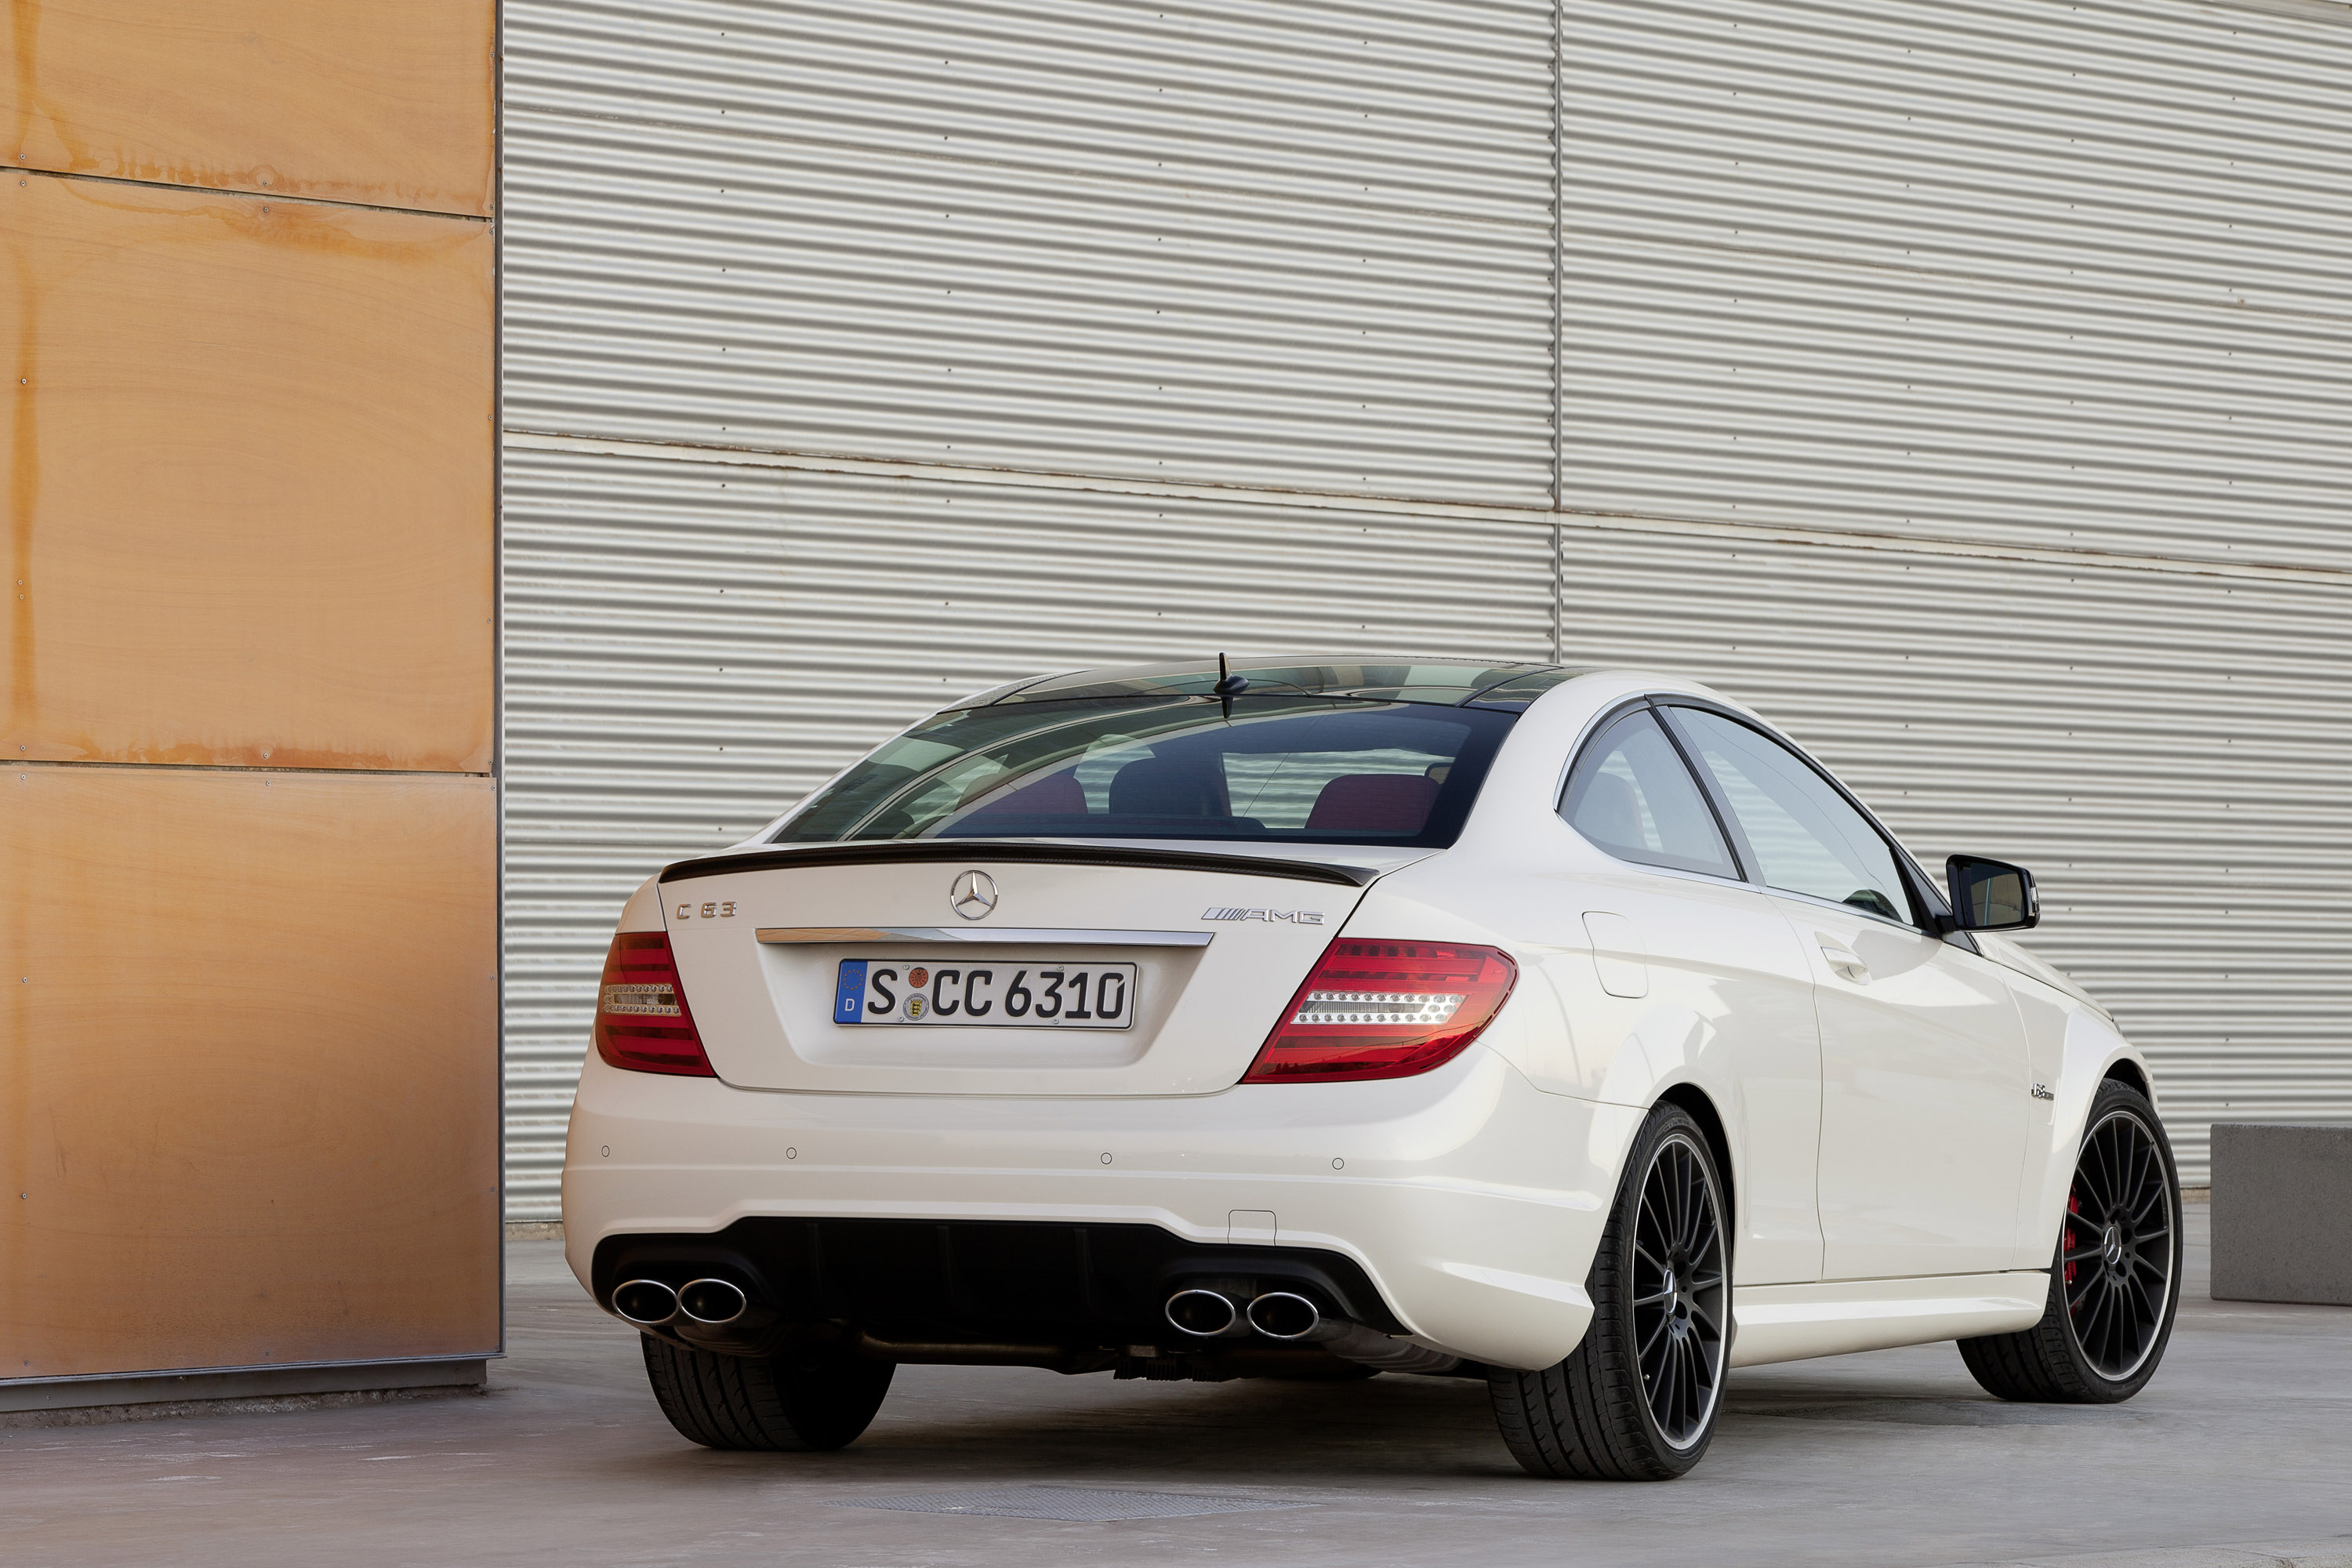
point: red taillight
(642, 1022)
(1384, 1009)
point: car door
(1925, 1075)
(1689, 961)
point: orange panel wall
(248, 1054)
(252, 1116)
(385, 102)
(251, 479)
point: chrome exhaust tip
(648, 1303)
(1286, 1315)
(712, 1301)
(1205, 1315)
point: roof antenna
(1229, 685)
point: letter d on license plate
(986, 994)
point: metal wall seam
(498, 604)
(1710, 384)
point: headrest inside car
(1169, 786)
(1056, 794)
(1373, 803)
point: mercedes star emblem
(973, 895)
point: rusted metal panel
(249, 481)
(248, 1069)
(386, 104)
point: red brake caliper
(2073, 1207)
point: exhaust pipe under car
(712, 1301)
(1206, 1314)
(1286, 1315)
(648, 1303)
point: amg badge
(1295, 917)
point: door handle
(1843, 963)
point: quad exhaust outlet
(1293, 1319)
(1286, 1315)
(649, 1303)
(1206, 1314)
(1210, 1314)
(712, 1301)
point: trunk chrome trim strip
(1035, 852)
(1010, 934)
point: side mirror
(1991, 895)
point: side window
(1806, 837)
(1630, 794)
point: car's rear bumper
(1471, 1200)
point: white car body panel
(1796, 1323)
(1473, 1196)
(1451, 1188)
(765, 1009)
(1925, 1092)
(1726, 1006)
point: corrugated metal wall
(1294, 246)
(2013, 271)
(1987, 365)
(1965, 382)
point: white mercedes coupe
(1566, 1029)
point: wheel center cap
(2111, 1245)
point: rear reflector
(642, 1022)
(1384, 1009)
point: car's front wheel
(801, 1401)
(1637, 1399)
(2114, 1279)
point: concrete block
(2283, 1214)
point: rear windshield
(1310, 770)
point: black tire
(2113, 1289)
(1638, 1398)
(801, 1402)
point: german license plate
(1047, 995)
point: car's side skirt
(1791, 1322)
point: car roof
(1454, 682)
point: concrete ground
(1894, 1458)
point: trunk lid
(1220, 935)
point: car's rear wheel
(1637, 1399)
(798, 1402)
(2114, 1281)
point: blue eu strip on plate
(849, 993)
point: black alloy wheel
(2114, 1281)
(1638, 1397)
(1678, 1292)
(2116, 1257)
